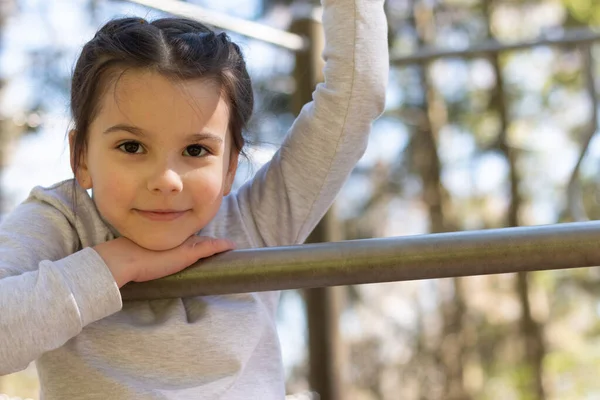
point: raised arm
(290, 194)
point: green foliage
(584, 12)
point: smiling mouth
(161, 215)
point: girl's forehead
(149, 99)
(154, 88)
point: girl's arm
(292, 192)
(45, 303)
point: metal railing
(443, 255)
(240, 26)
(566, 38)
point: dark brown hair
(177, 48)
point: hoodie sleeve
(291, 193)
(48, 289)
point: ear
(82, 173)
(230, 176)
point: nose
(165, 181)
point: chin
(158, 243)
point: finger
(205, 246)
(193, 249)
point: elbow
(379, 99)
(379, 80)
(371, 91)
(13, 358)
(10, 364)
(371, 80)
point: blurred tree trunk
(531, 330)
(451, 349)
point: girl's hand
(129, 262)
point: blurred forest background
(474, 141)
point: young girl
(159, 108)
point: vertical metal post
(322, 304)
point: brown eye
(131, 147)
(194, 150)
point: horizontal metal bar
(444, 255)
(572, 37)
(267, 34)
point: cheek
(206, 186)
(113, 189)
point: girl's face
(159, 158)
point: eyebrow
(134, 130)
